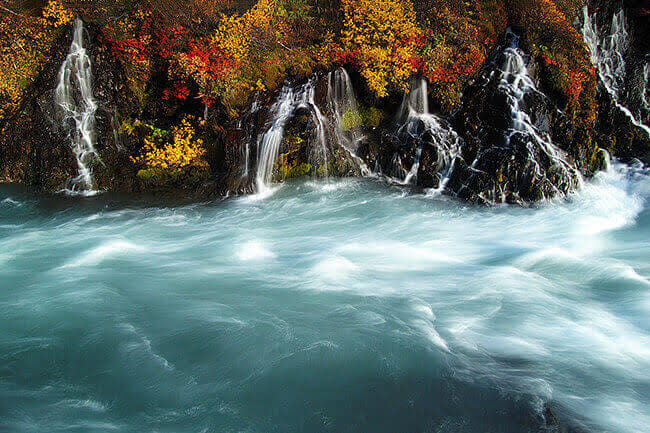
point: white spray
(74, 97)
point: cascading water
(249, 128)
(269, 143)
(74, 97)
(345, 110)
(416, 122)
(306, 101)
(416, 101)
(607, 54)
(515, 83)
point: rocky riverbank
(518, 105)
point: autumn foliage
(382, 37)
(551, 38)
(219, 53)
(175, 149)
(25, 42)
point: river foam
(349, 304)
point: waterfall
(249, 128)
(416, 102)
(416, 122)
(74, 97)
(646, 89)
(345, 110)
(515, 83)
(607, 55)
(282, 110)
(269, 146)
(306, 101)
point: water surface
(340, 306)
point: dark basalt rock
(513, 174)
(613, 129)
(496, 162)
(503, 162)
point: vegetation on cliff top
(219, 53)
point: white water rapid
(74, 97)
(347, 306)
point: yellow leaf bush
(182, 149)
(55, 14)
(382, 34)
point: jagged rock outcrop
(510, 153)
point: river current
(331, 306)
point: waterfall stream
(249, 128)
(74, 97)
(416, 122)
(284, 108)
(347, 117)
(515, 83)
(607, 54)
(269, 146)
(306, 101)
(525, 159)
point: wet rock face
(510, 152)
(507, 142)
(616, 33)
(414, 153)
(36, 148)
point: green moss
(323, 170)
(154, 175)
(299, 170)
(351, 119)
(158, 177)
(372, 117)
